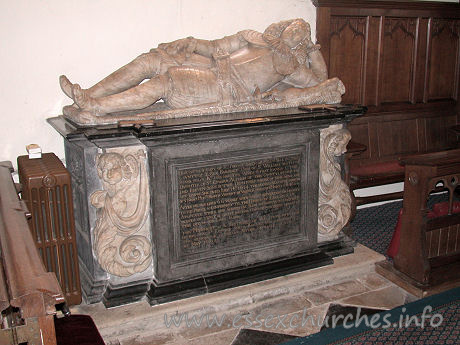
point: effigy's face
(295, 33)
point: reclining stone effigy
(247, 71)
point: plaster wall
(88, 39)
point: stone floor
(295, 304)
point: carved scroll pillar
(334, 202)
(122, 242)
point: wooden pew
(428, 259)
(28, 294)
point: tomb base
(187, 206)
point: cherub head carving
(338, 145)
(112, 167)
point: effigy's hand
(182, 46)
(313, 48)
(273, 95)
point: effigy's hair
(288, 61)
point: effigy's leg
(143, 67)
(327, 92)
(135, 98)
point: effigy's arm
(317, 63)
(191, 45)
(228, 44)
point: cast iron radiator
(46, 189)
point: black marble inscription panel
(227, 205)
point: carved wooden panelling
(347, 61)
(397, 73)
(402, 60)
(443, 63)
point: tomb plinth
(178, 207)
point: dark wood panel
(394, 12)
(457, 243)
(434, 248)
(444, 240)
(360, 134)
(437, 135)
(428, 237)
(421, 133)
(443, 64)
(421, 61)
(373, 61)
(398, 56)
(398, 138)
(347, 41)
(453, 230)
(413, 8)
(323, 29)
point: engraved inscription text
(232, 204)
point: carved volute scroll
(121, 236)
(334, 202)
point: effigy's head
(296, 32)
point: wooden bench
(372, 175)
(29, 295)
(428, 258)
(380, 173)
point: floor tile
(281, 306)
(386, 298)
(374, 281)
(221, 338)
(335, 292)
